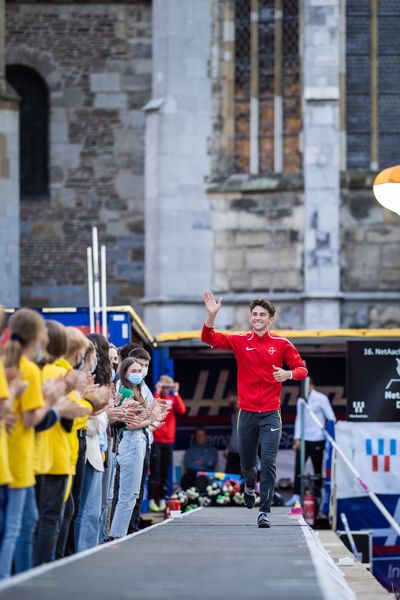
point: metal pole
(103, 291)
(96, 279)
(350, 537)
(304, 393)
(356, 474)
(90, 288)
(302, 451)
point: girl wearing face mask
(132, 448)
(103, 371)
(114, 358)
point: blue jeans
(21, 518)
(108, 494)
(87, 523)
(131, 454)
(3, 507)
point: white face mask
(145, 370)
(39, 354)
(94, 367)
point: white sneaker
(163, 505)
(293, 500)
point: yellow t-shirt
(5, 474)
(4, 391)
(60, 445)
(80, 423)
(21, 441)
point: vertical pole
(278, 89)
(254, 90)
(374, 159)
(90, 288)
(96, 278)
(305, 384)
(302, 452)
(228, 82)
(103, 291)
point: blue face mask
(135, 378)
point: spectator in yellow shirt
(27, 340)
(55, 468)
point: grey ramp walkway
(210, 553)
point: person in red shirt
(164, 437)
(260, 356)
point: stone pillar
(321, 65)
(9, 185)
(178, 125)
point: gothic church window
(267, 94)
(34, 130)
(372, 84)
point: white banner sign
(374, 450)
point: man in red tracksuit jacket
(260, 356)
(164, 438)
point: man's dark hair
(126, 349)
(269, 307)
(140, 353)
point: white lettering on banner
(392, 395)
(381, 351)
(393, 572)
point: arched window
(34, 130)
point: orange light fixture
(387, 188)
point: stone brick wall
(370, 258)
(257, 242)
(96, 61)
(258, 246)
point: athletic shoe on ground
(249, 497)
(263, 520)
(293, 500)
(153, 507)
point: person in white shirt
(313, 436)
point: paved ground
(358, 578)
(208, 554)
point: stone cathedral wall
(96, 62)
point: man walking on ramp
(260, 356)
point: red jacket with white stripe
(257, 389)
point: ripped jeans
(131, 454)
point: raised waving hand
(212, 307)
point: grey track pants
(262, 429)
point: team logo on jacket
(271, 350)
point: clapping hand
(53, 389)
